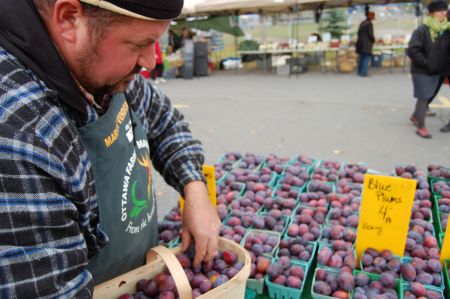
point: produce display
(298, 217)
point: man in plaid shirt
(60, 61)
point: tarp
(238, 7)
(226, 24)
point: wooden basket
(159, 257)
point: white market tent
(239, 7)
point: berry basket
(278, 291)
(315, 295)
(398, 287)
(407, 260)
(407, 287)
(257, 285)
(158, 258)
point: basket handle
(175, 269)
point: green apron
(118, 149)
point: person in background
(158, 72)
(174, 40)
(80, 131)
(364, 44)
(186, 34)
(428, 49)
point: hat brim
(119, 10)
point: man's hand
(200, 222)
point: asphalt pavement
(340, 117)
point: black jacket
(428, 57)
(366, 38)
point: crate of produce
(440, 212)
(320, 186)
(438, 172)
(336, 256)
(421, 291)
(251, 161)
(302, 160)
(297, 249)
(345, 216)
(328, 282)
(377, 262)
(366, 279)
(425, 272)
(160, 258)
(276, 163)
(310, 231)
(440, 186)
(262, 244)
(292, 287)
(272, 222)
(325, 174)
(331, 233)
(330, 164)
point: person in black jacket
(428, 49)
(364, 44)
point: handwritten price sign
(385, 212)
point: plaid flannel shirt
(48, 204)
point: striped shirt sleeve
(175, 153)
(45, 195)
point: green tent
(226, 24)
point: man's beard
(85, 62)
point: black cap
(142, 9)
(437, 5)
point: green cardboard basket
(399, 285)
(399, 258)
(407, 260)
(407, 287)
(267, 232)
(433, 181)
(308, 262)
(321, 245)
(250, 294)
(314, 295)
(277, 291)
(292, 221)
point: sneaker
(423, 132)
(446, 128)
(430, 114)
(414, 120)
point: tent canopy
(239, 7)
(225, 24)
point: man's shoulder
(26, 104)
(19, 82)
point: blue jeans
(363, 64)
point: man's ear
(67, 18)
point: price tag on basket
(385, 213)
(445, 253)
(210, 176)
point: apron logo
(134, 202)
(140, 204)
(129, 130)
(112, 138)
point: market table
(267, 54)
